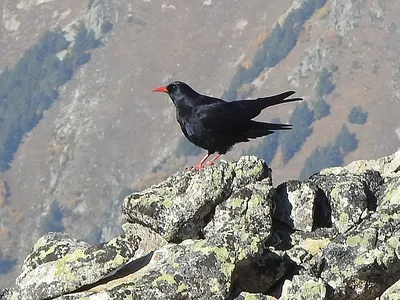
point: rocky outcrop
(342, 16)
(226, 233)
(98, 15)
(97, 19)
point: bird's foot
(197, 167)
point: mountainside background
(103, 134)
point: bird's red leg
(200, 164)
(211, 162)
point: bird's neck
(183, 107)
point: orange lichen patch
(247, 64)
(54, 150)
(6, 241)
(73, 202)
(279, 158)
(262, 36)
(3, 193)
(18, 217)
(2, 200)
(332, 39)
(4, 233)
(5, 237)
(15, 215)
(58, 148)
(282, 20)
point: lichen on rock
(59, 264)
(226, 232)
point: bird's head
(177, 90)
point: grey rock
(264, 271)
(245, 220)
(377, 10)
(388, 196)
(201, 269)
(246, 215)
(345, 15)
(59, 264)
(250, 296)
(314, 60)
(226, 233)
(364, 264)
(175, 272)
(391, 293)
(351, 196)
(179, 207)
(149, 240)
(304, 287)
(302, 206)
(388, 166)
(98, 14)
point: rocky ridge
(61, 161)
(226, 232)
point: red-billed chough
(216, 125)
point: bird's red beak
(161, 89)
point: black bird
(216, 125)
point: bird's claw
(196, 167)
(201, 166)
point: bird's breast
(183, 111)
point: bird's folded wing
(221, 116)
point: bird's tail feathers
(258, 129)
(275, 126)
(278, 99)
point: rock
(391, 293)
(179, 207)
(246, 213)
(364, 262)
(96, 19)
(302, 206)
(244, 219)
(388, 166)
(389, 196)
(351, 197)
(304, 287)
(249, 296)
(98, 15)
(10, 20)
(313, 61)
(377, 10)
(192, 269)
(59, 264)
(226, 233)
(150, 240)
(345, 15)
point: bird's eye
(172, 87)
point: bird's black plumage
(216, 125)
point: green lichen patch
(182, 288)
(313, 246)
(313, 289)
(164, 277)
